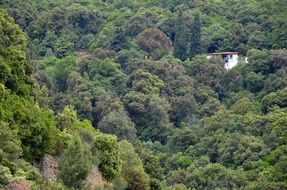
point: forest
(123, 89)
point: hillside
(121, 92)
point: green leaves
(150, 114)
(195, 44)
(13, 55)
(107, 74)
(214, 176)
(181, 37)
(195, 124)
(106, 149)
(75, 164)
(154, 42)
(10, 146)
(35, 127)
(132, 168)
(254, 82)
(119, 124)
(146, 82)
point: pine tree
(195, 44)
(180, 43)
(75, 164)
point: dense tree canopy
(125, 87)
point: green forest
(122, 95)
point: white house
(230, 58)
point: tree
(15, 69)
(64, 44)
(208, 72)
(120, 41)
(183, 109)
(136, 25)
(195, 43)
(24, 14)
(195, 125)
(67, 119)
(106, 149)
(232, 81)
(278, 59)
(103, 149)
(107, 74)
(258, 61)
(214, 176)
(154, 42)
(178, 176)
(133, 171)
(106, 103)
(180, 42)
(5, 176)
(61, 71)
(36, 129)
(254, 82)
(119, 124)
(75, 164)
(242, 106)
(152, 166)
(244, 150)
(275, 98)
(146, 82)
(158, 125)
(150, 114)
(277, 122)
(10, 152)
(83, 19)
(181, 139)
(177, 187)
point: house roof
(224, 53)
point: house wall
(232, 61)
(209, 56)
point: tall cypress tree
(195, 43)
(180, 42)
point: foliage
(120, 124)
(10, 146)
(195, 44)
(154, 42)
(180, 45)
(132, 168)
(5, 175)
(14, 65)
(75, 164)
(106, 149)
(138, 70)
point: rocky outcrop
(18, 185)
(95, 178)
(48, 167)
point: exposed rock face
(95, 178)
(18, 185)
(48, 167)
